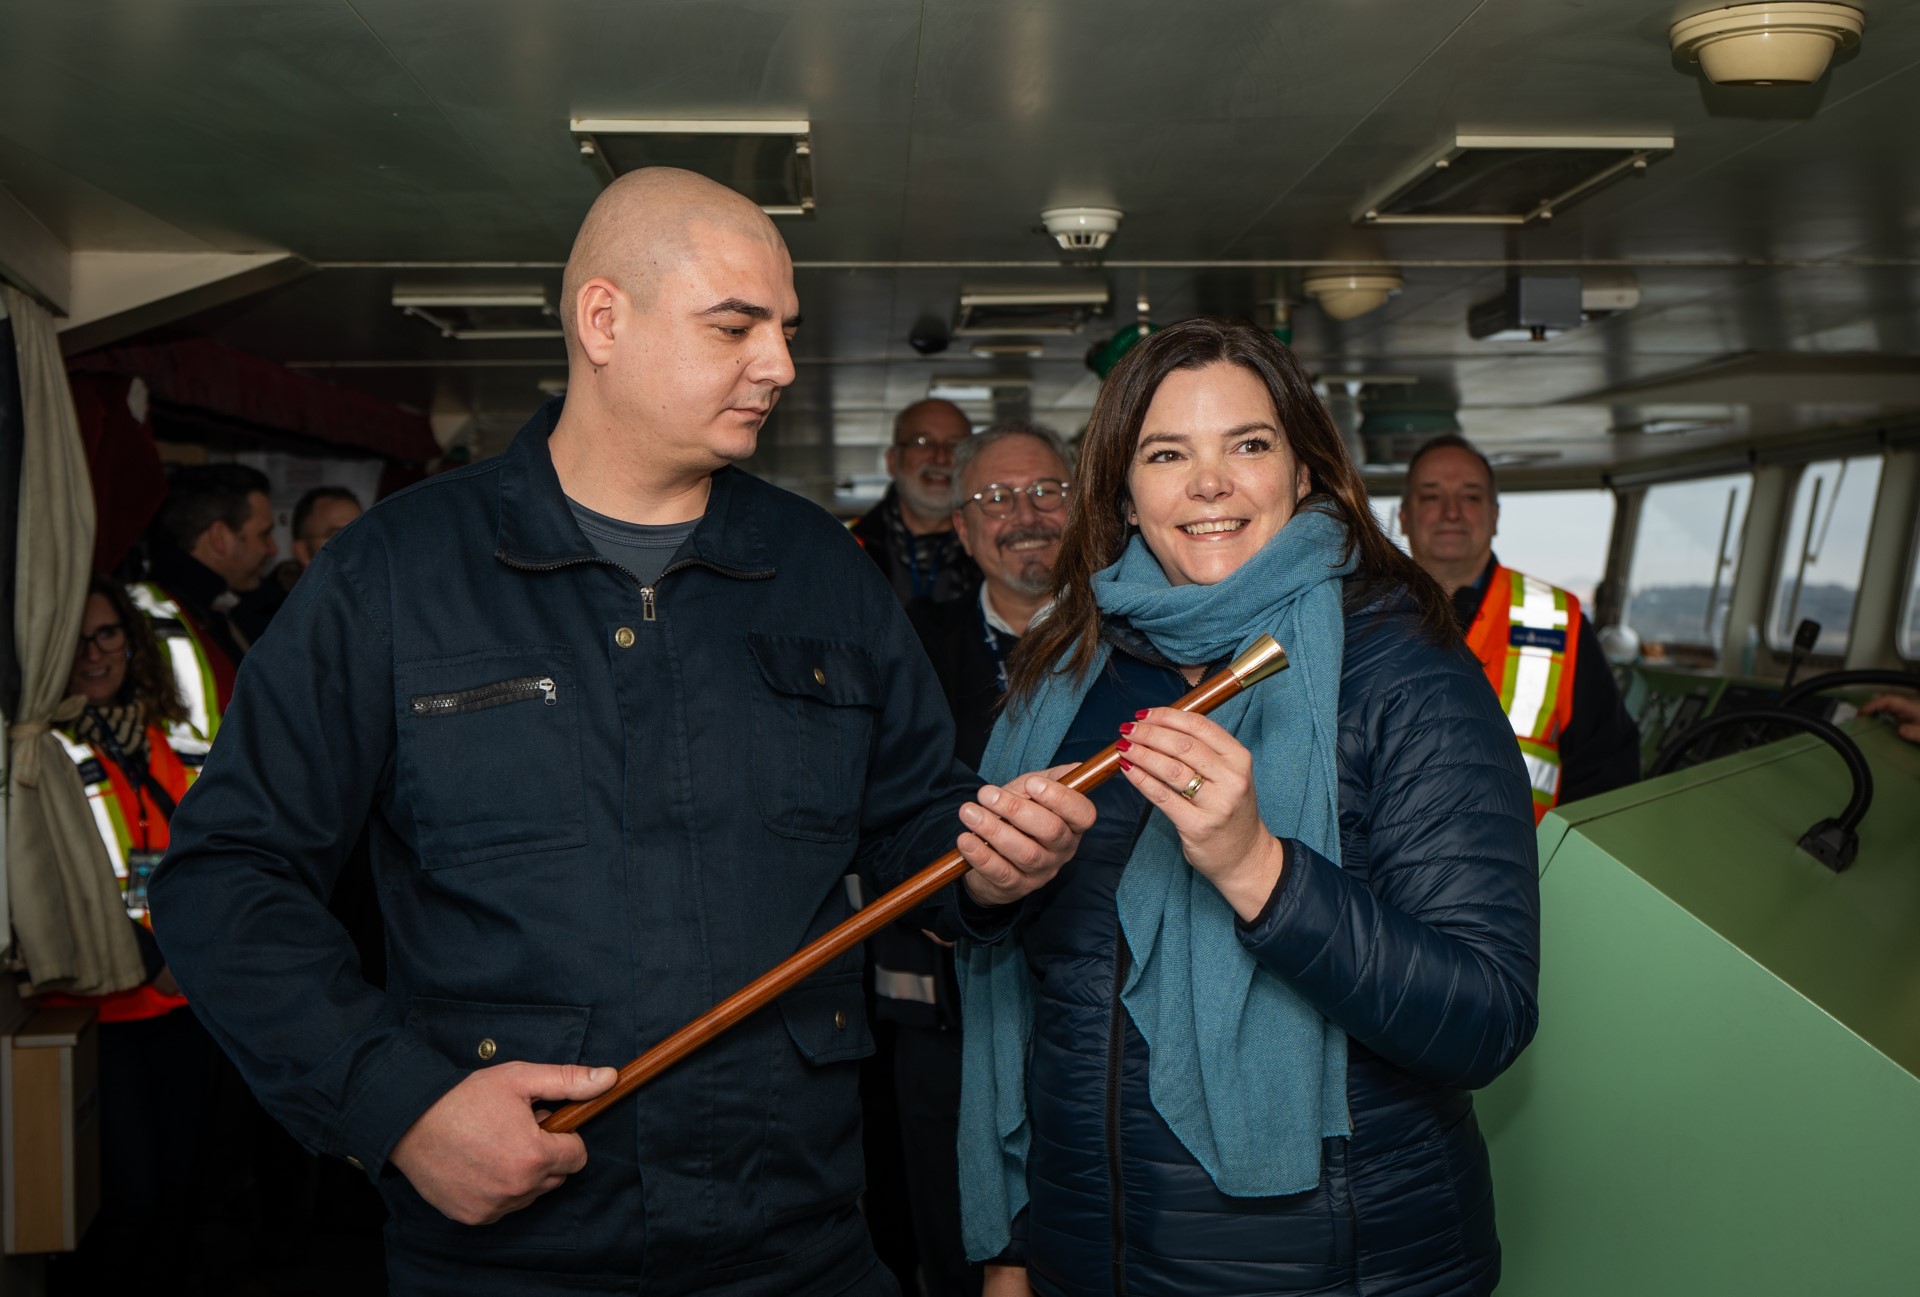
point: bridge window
(1825, 550)
(1558, 536)
(1683, 561)
(1906, 639)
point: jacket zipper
(1116, 1037)
(649, 594)
(485, 696)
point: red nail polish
(1127, 728)
(1125, 764)
(1140, 716)
(1124, 744)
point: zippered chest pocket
(525, 689)
(488, 755)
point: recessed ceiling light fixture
(1027, 312)
(1767, 44)
(1510, 179)
(975, 388)
(533, 297)
(481, 313)
(770, 162)
(1669, 427)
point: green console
(1724, 1095)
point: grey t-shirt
(643, 550)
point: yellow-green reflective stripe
(1543, 769)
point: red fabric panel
(128, 480)
(204, 375)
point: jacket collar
(186, 578)
(537, 528)
(1468, 598)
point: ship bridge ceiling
(424, 145)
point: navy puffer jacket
(1422, 945)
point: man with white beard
(909, 533)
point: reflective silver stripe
(192, 675)
(186, 741)
(892, 984)
(148, 599)
(98, 795)
(188, 680)
(1541, 773)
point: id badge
(140, 867)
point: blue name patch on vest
(92, 772)
(1533, 637)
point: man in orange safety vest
(1540, 654)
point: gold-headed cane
(1263, 658)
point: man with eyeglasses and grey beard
(1009, 486)
(1009, 492)
(909, 532)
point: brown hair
(149, 673)
(1097, 532)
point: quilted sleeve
(1432, 960)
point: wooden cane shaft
(769, 986)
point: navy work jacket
(595, 810)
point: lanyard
(145, 787)
(998, 654)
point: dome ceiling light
(1767, 44)
(1344, 294)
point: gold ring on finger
(1193, 787)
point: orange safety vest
(117, 805)
(1526, 635)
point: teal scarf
(1247, 1074)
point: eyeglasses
(110, 638)
(998, 500)
(924, 442)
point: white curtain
(70, 926)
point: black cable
(1849, 751)
(1840, 679)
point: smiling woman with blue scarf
(1228, 1048)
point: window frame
(1692, 652)
(1909, 610)
(1781, 653)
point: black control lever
(1805, 636)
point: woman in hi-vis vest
(153, 1053)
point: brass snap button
(488, 1049)
(624, 637)
(839, 1019)
(819, 676)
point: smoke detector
(1767, 44)
(1081, 229)
(1345, 294)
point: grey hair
(969, 450)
